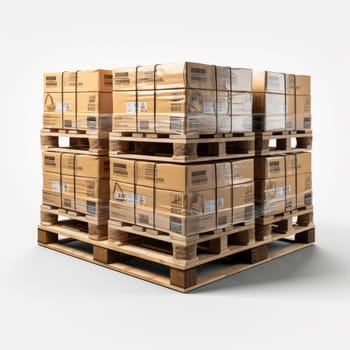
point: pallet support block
(47, 237)
(185, 150)
(105, 255)
(185, 252)
(306, 236)
(183, 278)
(98, 232)
(253, 255)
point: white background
(52, 301)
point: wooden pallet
(95, 227)
(80, 141)
(184, 250)
(181, 149)
(159, 267)
(283, 224)
(270, 143)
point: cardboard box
(185, 177)
(303, 112)
(79, 81)
(185, 75)
(273, 196)
(185, 213)
(223, 78)
(91, 110)
(243, 202)
(302, 85)
(303, 162)
(241, 79)
(290, 112)
(243, 171)
(290, 84)
(266, 81)
(78, 165)
(224, 207)
(269, 112)
(124, 111)
(304, 190)
(84, 195)
(271, 167)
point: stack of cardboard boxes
(283, 182)
(78, 100)
(281, 102)
(182, 98)
(76, 182)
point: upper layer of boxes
(177, 98)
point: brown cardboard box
(185, 178)
(122, 170)
(78, 165)
(224, 207)
(223, 78)
(243, 202)
(274, 166)
(303, 162)
(303, 112)
(91, 110)
(243, 171)
(241, 79)
(274, 196)
(185, 75)
(124, 78)
(269, 112)
(290, 112)
(185, 213)
(304, 189)
(84, 195)
(80, 81)
(185, 111)
(302, 85)
(124, 111)
(290, 84)
(266, 81)
(223, 174)
(269, 167)
(241, 109)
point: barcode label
(199, 177)
(49, 160)
(144, 125)
(91, 122)
(209, 107)
(121, 78)
(307, 123)
(274, 166)
(62, 107)
(118, 196)
(175, 123)
(175, 107)
(198, 74)
(67, 123)
(91, 207)
(51, 80)
(175, 224)
(107, 79)
(120, 169)
(143, 219)
(91, 107)
(67, 203)
(222, 220)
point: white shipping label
(130, 198)
(275, 81)
(130, 107)
(220, 203)
(140, 199)
(56, 186)
(118, 196)
(64, 186)
(280, 191)
(209, 205)
(209, 107)
(63, 107)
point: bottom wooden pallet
(162, 271)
